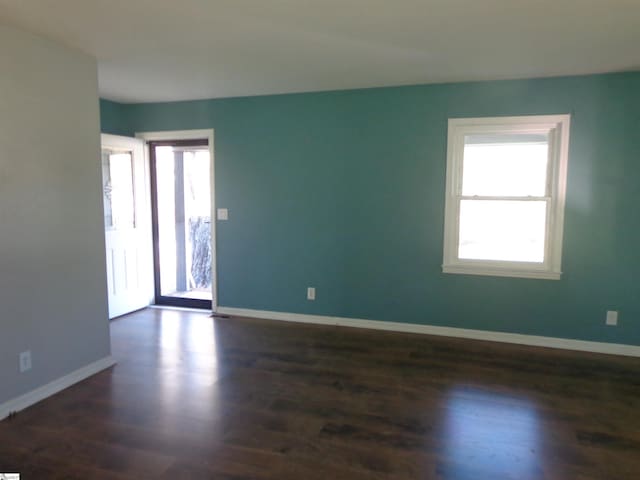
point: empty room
(288, 239)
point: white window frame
(557, 127)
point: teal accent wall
(113, 118)
(345, 191)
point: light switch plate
(223, 214)
(25, 361)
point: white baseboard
(34, 396)
(181, 309)
(532, 340)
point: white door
(127, 220)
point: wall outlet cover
(223, 214)
(25, 361)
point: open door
(127, 221)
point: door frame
(181, 135)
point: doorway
(158, 195)
(181, 209)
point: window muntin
(505, 196)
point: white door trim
(194, 135)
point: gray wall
(52, 268)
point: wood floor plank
(199, 398)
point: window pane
(512, 164)
(502, 230)
(119, 205)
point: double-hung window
(505, 196)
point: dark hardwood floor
(196, 398)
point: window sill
(500, 272)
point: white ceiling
(162, 50)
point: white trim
(517, 338)
(117, 142)
(530, 122)
(181, 309)
(194, 135)
(175, 135)
(557, 126)
(35, 396)
(500, 272)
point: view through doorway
(182, 231)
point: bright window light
(505, 196)
(117, 171)
(507, 168)
(502, 230)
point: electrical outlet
(311, 293)
(612, 318)
(25, 361)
